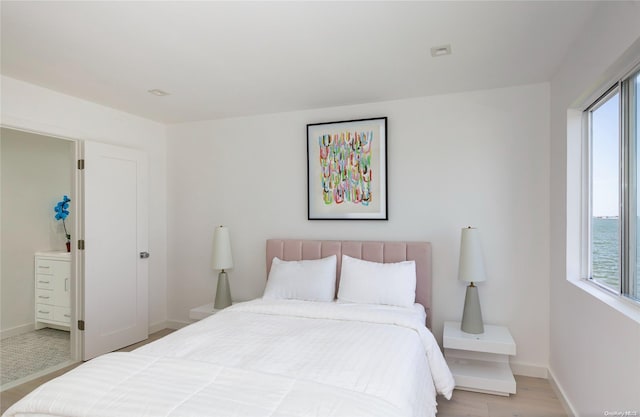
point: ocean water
(606, 253)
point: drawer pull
(67, 315)
(43, 267)
(43, 312)
(45, 297)
(43, 282)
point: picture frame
(347, 170)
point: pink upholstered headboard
(420, 252)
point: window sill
(619, 303)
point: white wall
(36, 173)
(478, 158)
(594, 355)
(35, 108)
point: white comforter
(264, 358)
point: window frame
(588, 115)
(629, 163)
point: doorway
(38, 171)
(36, 285)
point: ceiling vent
(441, 50)
(157, 92)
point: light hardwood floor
(535, 397)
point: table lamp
(471, 269)
(222, 260)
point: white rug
(31, 352)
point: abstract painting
(347, 170)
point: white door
(116, 235)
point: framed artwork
(347, 170)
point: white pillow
(311, 280)
(377, 283)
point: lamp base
(472, 315)
(223, 293)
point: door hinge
(80, 324)
(81, 244)
(80, 163)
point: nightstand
(202, 312)
(480, 362)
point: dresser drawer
(62, 314)
(44, 296)
(44, 311)
(53, 267)
(45, 282)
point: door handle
(144, 255)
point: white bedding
(264, 358)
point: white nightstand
(480, 362)
(199, 313)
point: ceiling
(227, 59)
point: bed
(279, 356)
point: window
(604, 129)
(614, 179)
(634, 136)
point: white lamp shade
(221, 258)
(471, 267)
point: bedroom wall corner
(33, 108)
(594, 358)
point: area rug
(32, 352)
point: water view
(606, 253)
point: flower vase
(68, 246)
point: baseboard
(156, 327)
(176, 324)
(542, 372)
(526, 369)
(15, 331)
(168, 324)
(566, 404)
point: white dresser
(52, 285)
